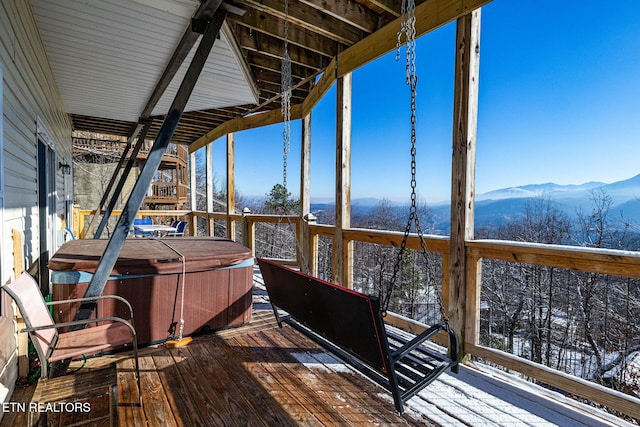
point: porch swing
(351, 324)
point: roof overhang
(108, 55)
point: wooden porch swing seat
(110, 333)
(350, 324)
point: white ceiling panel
(108, 55)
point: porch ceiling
(108, 55)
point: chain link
(408, 29)
(285, 101)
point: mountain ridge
(502, 205)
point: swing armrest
(421, 338)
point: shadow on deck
(261, 375)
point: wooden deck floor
(259, 375)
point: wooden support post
(472, 304)
(23, 341)
(78, 222)
(248, 231)
(231, 190)
(194, 193)
(305, 200)
(209, 184)
(463, 166)
(342, 265)
(313, 251)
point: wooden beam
(465, 118)
(472, 304)
(342, 262)
(254, 121)
(308, 18)
(430, 15)
(347, 11)
(390, 6)
(271, 46)
(594, 260)
(231, 186)
(271, 63)
(274, 27)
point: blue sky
(559, 102)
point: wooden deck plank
(156, 406)
(99, 414)
(308, 393)
(225, 361)
(221, 377)
(182, 402)
(130, 413)
(233, 407)
(209, 404)
(19, 418)
(357, 398)
(255, 360)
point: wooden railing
(167, 193)
(601, 261)
(591, 260)
(81, 221)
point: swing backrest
(349, 319)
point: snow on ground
(477, 398)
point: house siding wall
(30, 95)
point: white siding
(29, 94)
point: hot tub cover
(152, 256)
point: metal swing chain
(285, 102)
(408, 29)
(285, 108)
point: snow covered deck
(262, 375)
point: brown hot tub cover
(152, 256)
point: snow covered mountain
(620, 191)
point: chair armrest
(118, 297)
(82, 322)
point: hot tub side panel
(213, 299)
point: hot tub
(148, 273)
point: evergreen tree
(279, 201)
